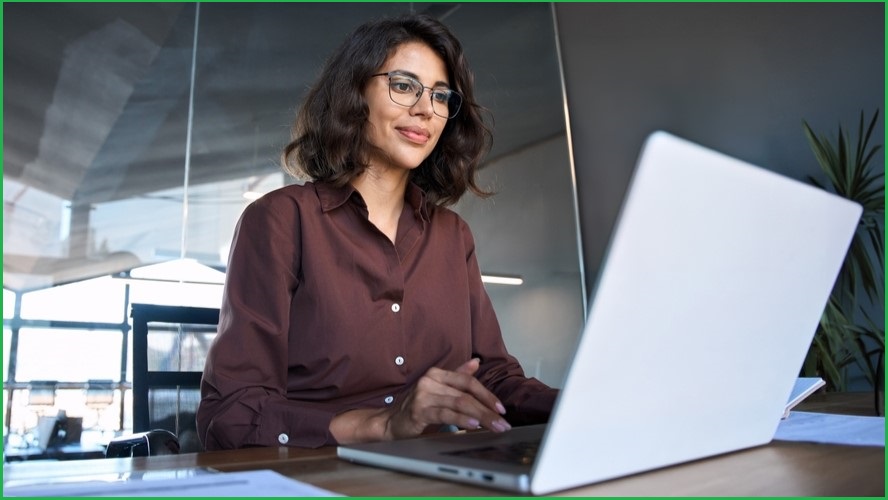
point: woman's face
(405, 135)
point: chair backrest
(170, 345)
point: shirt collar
(416, 197)
(332, 197)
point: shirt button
(399, 360)
(283, 438)
(396, 307)
(389, 399)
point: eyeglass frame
(450, 92)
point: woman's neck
(383, 192)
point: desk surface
(780, 468)
(777, 469)
(67, 452)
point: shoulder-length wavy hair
(328, 140)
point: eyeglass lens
(407, 91)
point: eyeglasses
(406, 91)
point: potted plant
(850, 333)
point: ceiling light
(502, 280)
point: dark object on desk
(144, 444)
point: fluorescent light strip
(493, 280)
(191, 271)
(502, 280)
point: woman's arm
(244, 388)
(527, 400)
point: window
(87, 321)
(46, 353)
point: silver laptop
(712, 287)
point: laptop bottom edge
(506, 481)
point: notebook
(706, 303)
(804, 387)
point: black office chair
(170, 345)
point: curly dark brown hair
(329, 143)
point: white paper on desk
(258, 483)
(832, 429)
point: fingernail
(501, 425)
(500, 408)
(473, 423)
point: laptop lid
(712, 287)
(714, 283)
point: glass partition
(135, 134)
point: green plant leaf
(861, 143)
(828, 369)
(877, 238)
(862, 359)
(869, 156)
(847, 335)
(823, 153)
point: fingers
(447, 397)
(468, 415)
(460, 396)
(463, 421)
(469, 367)
(463, 381)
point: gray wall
(739, 78)
(529, 228)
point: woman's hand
(446, 397)
(440, 397)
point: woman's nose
(424, 104)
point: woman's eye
(441, 96)
(402, 87)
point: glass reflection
(97, 99)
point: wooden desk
(777, 469)
(845, 403)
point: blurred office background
(135, 134)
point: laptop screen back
(711, 290)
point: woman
(353, 308)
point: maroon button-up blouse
(322, 314)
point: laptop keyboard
(521, 453)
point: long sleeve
(244, 387)
(527, 400)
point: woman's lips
(414, 134)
